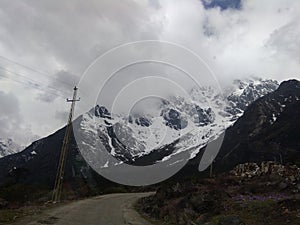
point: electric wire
(32, 85)
(32, 80)
(34, 70)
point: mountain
(183, 123)
(26, 175)
(255, 177)
(181, 126)
(8, 147)
(268, 130)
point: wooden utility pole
(63, 155)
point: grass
(17, 211)
(8, 216)
(137, 208)
(259, 212)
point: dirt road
(113, 209)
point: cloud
(155, 4)
(9, 108)
(11, 120)
(285, 41)
(62, 115)
(61, 85)
(70, 34)
(60, 39)
(237, 43)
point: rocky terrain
(250, 194)
(267, 131)
(274, 139)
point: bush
(21, 193)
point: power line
(32, 80)
(39, 72)
(35, 70)
(33, 86)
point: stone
(291, 173)
(3, 203)
(282, 185)
(230, 220)
(292, 178)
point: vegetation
(224, 200)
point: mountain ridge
(8, 147)
(37, 164)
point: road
(113, 209)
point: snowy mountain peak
(244, 92)
(8, 147)
(183, 123)
(101, 111)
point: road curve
(113, 209)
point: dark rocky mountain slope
(36, 166)
(268, 130)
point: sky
(47, 47)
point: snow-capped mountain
(267, 131)
(186, 124)
(271, 120)
(8, 147)
(242, 93)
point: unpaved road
(113, 209)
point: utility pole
(63, 155)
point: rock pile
(290, 174)
(266, 168)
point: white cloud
(11, 119)
(261, 39)
(238, 43)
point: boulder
(282, 185)
(3, 203)
(230, 220)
